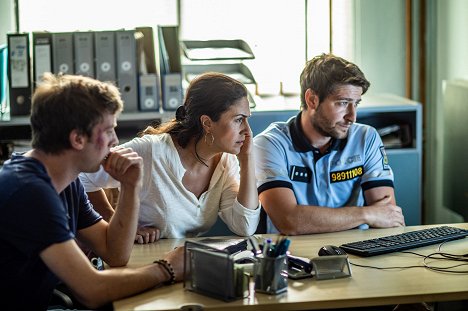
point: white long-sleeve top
(167, 205)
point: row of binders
(123, 57)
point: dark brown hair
(209, 94)
(323, 73)
(62, 103)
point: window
(83, 15)
(274, 30)
(283, 34)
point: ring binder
(19, 73)
(3, 74)
(62, 44)
(127, 71)
(104, 50)
(84, 53)
(42, 55)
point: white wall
(7, 23)
(447, 60)
(380, 44)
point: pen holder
(271, 275)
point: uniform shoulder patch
(385, 164)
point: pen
(267, 248)
(255, 247)
(283, 247)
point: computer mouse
(328, 250)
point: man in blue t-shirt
(43, 206)
(320, 171)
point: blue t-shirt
(284, 158)
(33, 217)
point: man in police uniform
(320, 171)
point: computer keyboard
(403, 241)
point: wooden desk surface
(366, 287)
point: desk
(366, 287)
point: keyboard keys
(403, 241)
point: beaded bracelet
(167, 266)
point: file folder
(169, 48)
(149, 86)
(42, 55)
(84, 53)
(104, 51)
(146, 51)
(149, 92)
(171, 91)
(127, 72)
(62, 56)
(19, 73)
(3, 78)
(170, 67)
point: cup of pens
(271, 268)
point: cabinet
(406, 161)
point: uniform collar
(299, 139)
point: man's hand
(384, 214)
(176, 259)
(147, 235)
(124, 165)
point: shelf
(236, 71)
(128, 125)
(133, 116)
(395, 151)
(126, 116)
(216, 50)
(6, 120)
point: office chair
(60, 300)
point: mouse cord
(385, 268)
(440, 256)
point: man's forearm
(309, 219)
(123, 225)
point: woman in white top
(196, 166)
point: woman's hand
(247, 147)
(147, 235)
